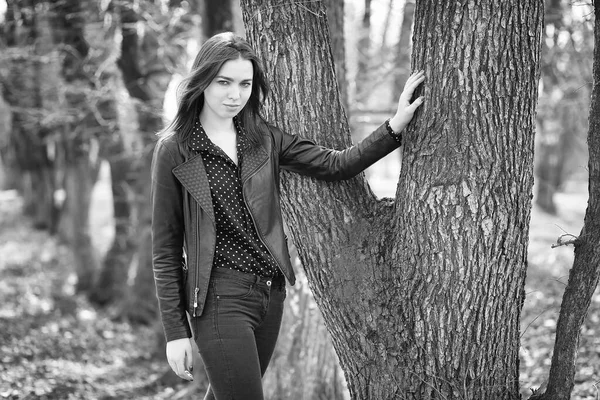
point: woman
(219, 250)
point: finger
(189, 366)
(411, 85)
(414, 76)
(181, 370)
(415, 104)
(410, 89)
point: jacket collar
(192, 173)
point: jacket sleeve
(307, 158)
(167, 243)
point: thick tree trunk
(335, 18)
(440, 273)
(585, 273)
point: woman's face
(230, 90)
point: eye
(222, 82)
(246, 84)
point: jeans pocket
(232, 289)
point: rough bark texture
(464, 193)
(335, 18)
(422, 297)
(585, 273)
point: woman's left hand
(406, 109)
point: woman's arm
(167, 243)
(305, 157)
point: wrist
(394, 134)
(395, 125)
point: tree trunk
(217, 16)
(443, 268)
(30, 86)
(551, 131)
(335, 18)
(78, 144)
(585, 273)
(146, 80)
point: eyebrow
(231, 80)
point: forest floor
(55, 345)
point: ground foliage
(55, 345)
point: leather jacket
(183, 220)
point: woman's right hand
(179, 356)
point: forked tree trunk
(304, 350)
(585, 273)
(422, 296)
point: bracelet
(397, 136)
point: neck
(213, 123)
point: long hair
(215, 52)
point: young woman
(219, 251)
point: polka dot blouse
(238, 245)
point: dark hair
(215, 52)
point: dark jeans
(237, 332)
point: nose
(234, 92)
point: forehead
(239, 69)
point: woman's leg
(236, 334)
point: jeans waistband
(228, 273)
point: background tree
(443, 266)
(403, 49)
(90, 118)
(584, 275)
(566, 49)
(364, 52)
(30, 83)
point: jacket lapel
(253, 158)
(192, 176)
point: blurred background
(85, 85)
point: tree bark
(584, 275)
(441, 271)
(335, 18)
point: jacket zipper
(252, 217)
(196, 288)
